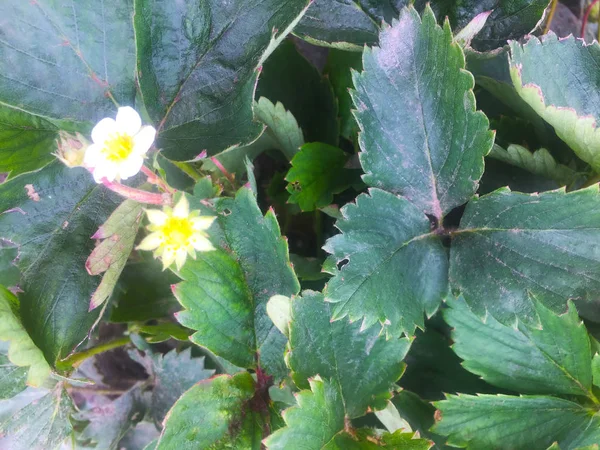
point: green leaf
(396, 269)
(287, 77)
(225, 292)
(317, 173)
(172, 373)
(26, 141)
(552, 358)
(541, 244)
(12, 377)
(66, 61)
(358, 360)
(347, 24)
(197, 68)
(527, 422)
(108, 423)
(540, 162)
(556, 78)
(173, 174)
(214, 414)
(596, 369)
(338, 70)
(51, 215)
(41, 425)
(282, 133)
(430, 147)
(318, 423)
(510, 19)
(9, 272)
(22, 351)
(143, 292)
(433, 369)
(110, 256)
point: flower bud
(71, 148)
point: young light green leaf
(470, 30)
(543, 244)
(22, 351)
(67, 61)
(26, 141)
(108, 423)
(430, 148)
(567, 97)
(51, 215)
(199, 88)
(110, 256)
(396, 269)
(214, 413)
(173, 374)
(347, 24)
(540, 162)
(287, 77)
(357, 360)
(527, 422)
(41, 425)
(317, 173)
(225, 292)
(552, 358)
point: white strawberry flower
(119, 146)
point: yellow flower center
(177, 232)
(118, 147)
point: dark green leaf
(347, 24)
(143, 292)
(552, 358)
(511, 244)
(197, 68)
(51, 215)
(62, 61)
(108, 423)
(9, 272)
(338, 70)
(214, 414)
(287, 77)
(430, 146)
(519, 423)
(225, 292)
(557, 79)
(12, 377)
(173, 174)
(317, 173)
(41, 425)
(396, 268)
(360, 361)
(26, 141)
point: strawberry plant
(298, 224)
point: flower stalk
(137, 195)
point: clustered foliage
(453, 300)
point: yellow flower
(177, 233)
(119, 146)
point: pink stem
(137, 194)
(154, 179)
(586, 16)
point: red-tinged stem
(223, 170)
(155, 179)
(586, 16)
(137, 194)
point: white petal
(93, 155)
(131, 166)
(182, 208)
(200, 243)
(202, 222)
(152, 241)
(180, 258)
(103, 129)
(156, 217)
(168, 257)
(128, 121)
(144, 140)
(103, 170)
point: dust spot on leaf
(31, 193)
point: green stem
(187, 169)
(77, 358)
